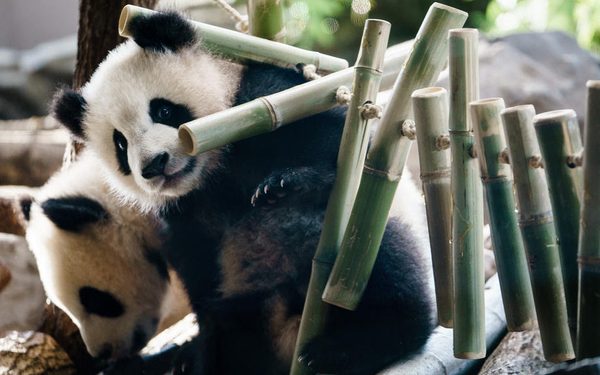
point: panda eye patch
(163, 111)
(101, 303)
(120, 143)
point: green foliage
(580, 18)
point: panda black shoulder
(264, 79)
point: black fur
(163, 111)
(101, 303)
(68, 107)
(155, 258)
(73, 213)
(163, 31)
(273, 244)
(25, 205)
(120, 143)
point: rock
(22, 299)
(517, 353)
(32, 353)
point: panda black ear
(73, 213)
(69, 107)
(162, 31)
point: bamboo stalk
(241, 47)
(270, 112)
(430, 108)
(559, 138)
(385, 161)
(588, 329)
(539, 236)
(266, 19)
(353, 148)
(467, 199)
(508, 245)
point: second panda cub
(244, 220)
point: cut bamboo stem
(559, 139)
(467, 199)
(242, 47)
(588, 329)
(351, 156)
(270, 112)
(497, 180)
(385, 161)
(266, 19)
(430, 108)
(539, 236)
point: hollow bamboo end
(560, 357)
(470, 355)
(463, 33)
(124, 19)
(593, 84)
(429, 92)
(449, 9)
(188, 140)
(525, 326)
(517, 115)
(488, 102)
(346, 300)
(553, 117)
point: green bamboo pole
(588, 329)
(270, 112)
(559, 139)
(241, 47)
(353, 148)
(385, 161)
(539, 236)
(508, 244)
(467, 199)
(266, 19)
(430, 107)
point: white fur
(107, 255)
(118, 97)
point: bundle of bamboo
(539, 236)
(508, 245)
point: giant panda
(101, 262)
(243, 220)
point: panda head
(129, 111)
(98, 262)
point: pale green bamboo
(353, 147)
(467, 199)
(385, 161)
(266, 19)
(430, 108)
(242, 47)
(559, 139)
(509, 250)
(588, 329)
(539, 236)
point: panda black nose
(156, 167)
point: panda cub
(100, 263)
(243, 220)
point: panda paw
(277, 187)
(323, 356)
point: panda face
(131, 109)
(99, 262)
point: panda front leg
(392, 322)
(297, 184)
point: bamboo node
(310, 72)
(369, 111)
(472, 151)
(504, 156)
(574, 161)
(343, 95)
(442, 142)
(409, 130)
(535, 161)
